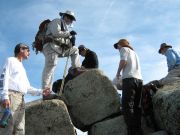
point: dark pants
(131, 105)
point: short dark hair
(116, 45)
(81, 48)
(18, 47)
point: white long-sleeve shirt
(54, 29)
(13, 77)
(58, 30)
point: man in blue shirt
(173, 63)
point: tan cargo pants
(172, 76)
(51, 60)
(16, 124)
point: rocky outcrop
(94, 106)
(158, 133)
(90, 98)
(48, 118)
(166, 105)
(113, 126)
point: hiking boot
(50, 97)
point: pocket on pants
(15, 102)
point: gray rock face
(90, 98)
(146, 130)
(166, 104)
(115, 126)
(48, 118)
(159, 133)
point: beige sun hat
(123, 43)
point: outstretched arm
(122, 64)
(37, 92)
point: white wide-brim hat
(69, 13)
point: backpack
(40, 36)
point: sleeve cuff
(5, 97)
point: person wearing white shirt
(52, 50)
(14, 84)
(131, 86)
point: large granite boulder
(166, 105)
(158, 133)
(114, 126)
(48, 118)
(90, 98)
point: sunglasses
(25, 48)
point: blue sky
(146, 24)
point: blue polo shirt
(173, 58)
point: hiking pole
(65, 69)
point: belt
(16, 92)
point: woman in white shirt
(131, 86)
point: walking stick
(65, 70)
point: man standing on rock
(58, 31)
(173, 63)
(131, 86)
(14, 84)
